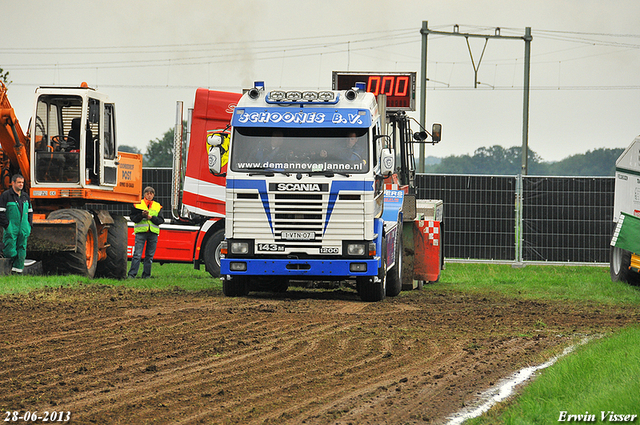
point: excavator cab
(73, 136)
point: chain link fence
(524, 218)
(500, 218)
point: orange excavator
(72, 169)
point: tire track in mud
(301, 376)
(414, 396)
(252, 398)
(109, 344)
(85, 330)
(175, 357)
(178, 377)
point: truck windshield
(300, 150)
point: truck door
(107, 151)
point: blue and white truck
(305, 194)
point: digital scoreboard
(400, 87)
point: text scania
(299, 187)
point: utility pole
(423, 92)
(425, 31)
(525, 101)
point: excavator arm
(15, 145)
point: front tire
(375, 291)
(84, 260)
(212, 253)
(235, 287)
(115, 265)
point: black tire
(235, 287)
(211, 254)
(276, 285)
(80, 262)
(394, 277)
(619, 262)
(375, 291)
(115, 265)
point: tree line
(159, 152)
(485, 160)
(508, 161)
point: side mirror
(420, 136)
(387, 162)
(436, 132)
(215, 163)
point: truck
(195, 228)
(72, 170)
(317, 191)
(624, 262)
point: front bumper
(303, 268)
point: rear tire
(619, 263)
(394, 282)
(84, 260)
(115, 265)
(211, 254)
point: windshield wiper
(259, 172)
(327, 173)
(269, 172)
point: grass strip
(164, 276)
(600, 381)
(570, 283)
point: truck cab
(305, 192)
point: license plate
(298, 236)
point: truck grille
(298, 214)
(298, 220)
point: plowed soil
(121, 356)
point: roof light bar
(297, 97)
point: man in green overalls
(16, 217)
(147, 218)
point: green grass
(603, 375)
(574, 283)
(164, 276)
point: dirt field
(118, 356)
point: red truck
(196, 225)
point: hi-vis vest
(146, 225)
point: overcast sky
(146, 55)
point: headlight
(238, 266)
(239, 248)
(358, 267)
(356, 249)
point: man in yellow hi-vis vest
(147, 217)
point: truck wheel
(115, 265)
(619, 263)
(235, 287)
(394, 282)
(211, 253)
(84, 260)
(276, 285)
(374, 291)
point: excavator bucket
(52, 236)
